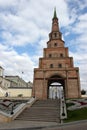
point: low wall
(4, 118)
(15, 92)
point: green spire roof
(55, 15)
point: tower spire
(55, 32)
(55, 14)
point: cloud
(23, 21)
(17, 32)
(15, 64)
(77, 33)
(81, 25)
(80, 60)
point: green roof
(55, 15)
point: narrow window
(55, 34)
(60, 65)
(51, 65)
(55, 44)
(50, 55)
(61, 55)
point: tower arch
(55, 86)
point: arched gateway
(56, 71)
(56, 85)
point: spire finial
(55, 15)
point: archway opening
(56, 86)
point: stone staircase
(42, 110)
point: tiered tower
(56, 67)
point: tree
(83, 92)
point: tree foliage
(83, 92)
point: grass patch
(69, 104)
(75, 115)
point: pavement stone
(31, 125)
(26, 125)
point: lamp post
(63, 113)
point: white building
(19, 82)
(14, 86)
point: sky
(24, 29)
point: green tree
(83, 92)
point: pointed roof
(55, 14)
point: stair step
(42, 110)
(36, 119)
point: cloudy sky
(24, 29)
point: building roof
(1, 67)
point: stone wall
(17, 92)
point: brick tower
(56, 67)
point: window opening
(50, 55)
(55, 44)
(51, 65)
(61, 55)
(60, 65)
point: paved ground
(29, 125)
(25, 124)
